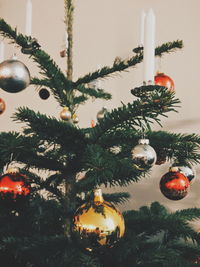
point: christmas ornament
(63, 53)
(75, 119)
(13, 184)
(14, 76)
(115, 149)
(164, 80)
(174, 185)
(44, 93)
(65, 114)
(98, 223)
(102, 113)
(185, 170)
(92, 123)
(2, 106)
(143, 155)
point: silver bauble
(143, 155)
(102, 113)
(185, 170)
(14, 76)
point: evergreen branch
(123, 65)
(59, 84)
(95, 93)
(136, 113)
(41, 82)
(117, 198)
(102, 167)
(51, 129)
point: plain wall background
(104, 29)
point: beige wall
(103, 30)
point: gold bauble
(65, 114)
(75, 119)
(98, 223)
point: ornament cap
(143, 141)
(98, 197)
(173, 169)
(12, 170)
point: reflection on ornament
(164, 80)
(143, 155)
(75, 119)
(65, 114)
(185, 170)
(174, 185)
(14, 76)
(44, 93)
(13, 184)
(101, 114)
(2, 106)
(98, 223)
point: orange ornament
(164, 80)
(2, 106)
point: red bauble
(164, 80)
(174, 185)
(2, 106)
(13, 185)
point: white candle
(142, 20)
(149, 47)
(29, 17)
(2, 51)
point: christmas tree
(52, 210)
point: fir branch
(94, 93)
(123, 65)
(41, 82)
(51, 129)
(60, 85)
(136, 114)
(117, 198)
(102, 167)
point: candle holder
(32, 45)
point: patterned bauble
(164, 80)
(174, 185)
(98, 223)
(143, 155)
(2, 106)
(14, 76)
(13, 184)
(185, 170)
(65, 114)
(101, 114)
(44, 93)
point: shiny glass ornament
(44, 93)
(13, 184)
(2, 106)
(143, 155)
(102, 113)
(14, 76)
(185, 170)
(98, 223)
(75, 119)
(65, 114)
(174, 185)
(164, 80)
